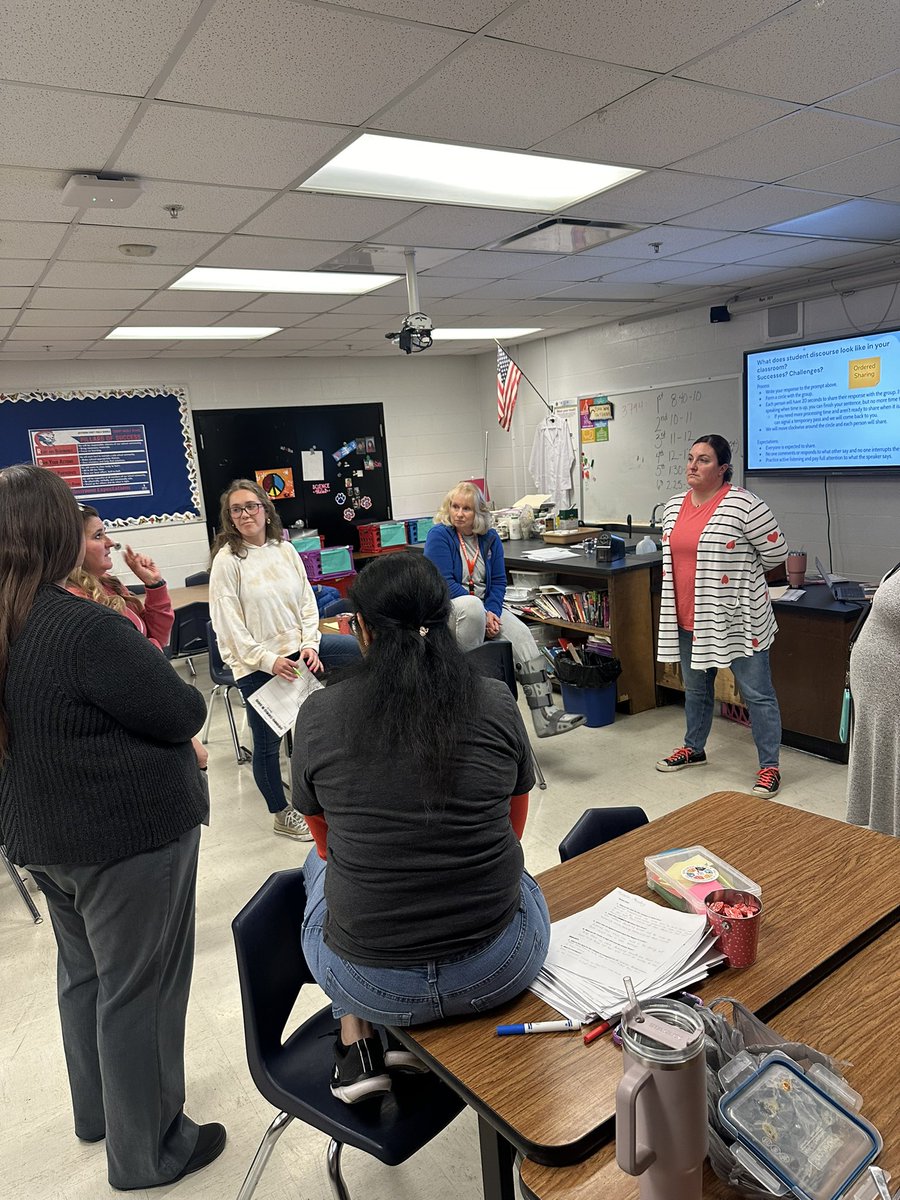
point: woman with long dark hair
(266, 619)
(414, 775)
(100, 798)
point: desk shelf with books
(628, 618)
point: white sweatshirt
(262, 607)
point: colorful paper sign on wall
(601, 431)
(321, 489)
(277, 483)
(601, 412)
(588, 434)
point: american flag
(508, 376)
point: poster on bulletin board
(127, 452)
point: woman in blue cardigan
(468, 553)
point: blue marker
(538, 1027)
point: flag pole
(524, 376)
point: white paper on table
(312, 465)
(279, 700)
(790, 594)
(551, 553)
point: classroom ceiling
(743, 114)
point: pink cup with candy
(735, 916)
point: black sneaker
(683, 757)
(768, 782)
(402, 1061)
(359, 1071)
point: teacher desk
(553, 1098)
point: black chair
(19, 883)
(196, 580)
(494, 659)
(137, 589)
(188, 636)
(599, 825)
(222, 677)
(294, 1075)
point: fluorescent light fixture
(321, 283)
(164, 333)
(480, 335)
(410, 169)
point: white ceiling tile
(511, 289)
(452, 14)
(100, 243)
(652, 34)
(859, 220)
(660, 271)
(461, 227)
(504, 95)
(373, 305)
(88, 298)
(384, 259)
(817, 253)
(735, 249)
(44, 128)
(878, 101)
(492, 264)
(889, 194)
(105, 353)
(663, 122)
(860, 175)
(854, 41)
(29, 239)
(333, 218)
(284, 254)
(70, 316)
(204, 146)
(333, 320)
(574, 269)
(144, 318)
(32, 195)
(21, 271)
(753, 210)
(659, 196)
(286, 305)
(114, 275)
(53, 41)
(64, 348)
(296, 60)
(204, 208)
(798, 142)
(219, 302)
(73, 333)
(255, 320)
(671, 239)
(732, 273)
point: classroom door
(332, 495)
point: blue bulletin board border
(164, 415)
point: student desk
(852, 1015)
(199, 594)
(552, 1097)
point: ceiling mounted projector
(89, 191)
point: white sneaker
(290, 823)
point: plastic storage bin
(417, 529)
(684, 878)
(381, 535)
(596, 704)
(805, 1137)
(335, 560)
(312, 562)
(306, 541)
(533, 579)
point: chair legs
(542, 782)
(241, 754)
(23, 890)
(263, 1154)
(335, 1178)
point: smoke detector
(137, 249)
(90, 191)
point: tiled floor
(40, 1158)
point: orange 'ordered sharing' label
(864, 372)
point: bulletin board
(127, 452)
(634, 445)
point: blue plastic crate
(417, 529)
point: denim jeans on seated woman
(335, 650)
(464, 985)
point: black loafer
(210, 1144)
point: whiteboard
(650, 434)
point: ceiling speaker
(719, 312)
(784, 322)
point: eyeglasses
(354, 626)
(251, 508)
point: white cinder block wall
(865, 512)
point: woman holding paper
(718, 542)
(264, 612)
(424, 909)
(469, 554)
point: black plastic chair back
(494, 660)
(218, 672)
(189, 631)
(196, 580)
(599, 825)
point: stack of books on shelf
(582, 608)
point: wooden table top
(852, 1015)
(552, 1096)
(199, 594)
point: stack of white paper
(661, 950)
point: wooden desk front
(551, 1096)
(852, 1015)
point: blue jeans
(458, 987)
(754, 679)
(335, 650)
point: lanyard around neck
(470, 562)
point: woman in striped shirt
(718, 543)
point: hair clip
(423, 631)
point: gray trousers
(467, 621)
(125, 940)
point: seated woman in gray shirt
(413, 775)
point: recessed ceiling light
(234, 279)
(410, 169)
(480, 335)
(173, 333)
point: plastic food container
(806, 1138)
(684, 878)
(533, 579)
